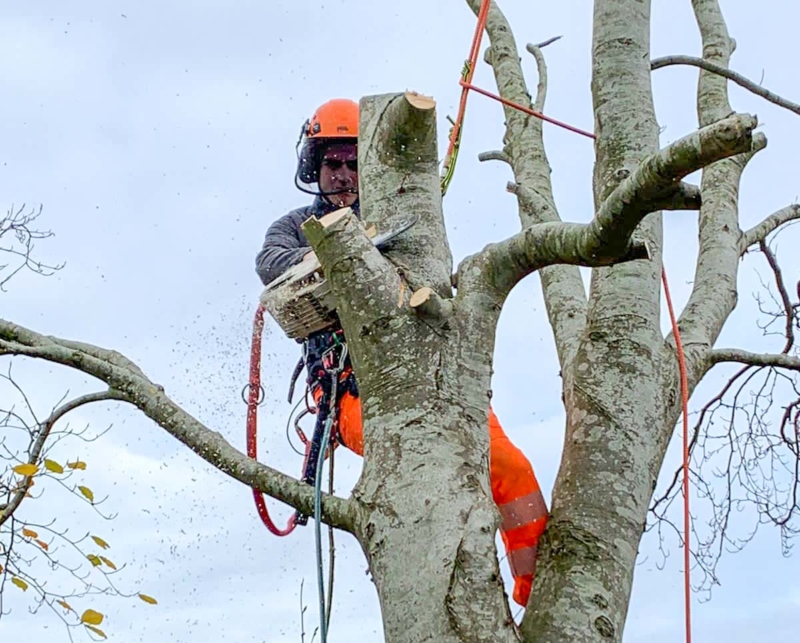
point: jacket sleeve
(283, 247)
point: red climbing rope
(452, 151)
(528, 110)
(252, 421)
(685, 404)
(466, 80)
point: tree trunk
(613, 389)
(426, 518)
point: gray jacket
(285, 244)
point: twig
(787, 304)
(544, 43)
(494, 155)
(44, 431)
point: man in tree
(328, 169)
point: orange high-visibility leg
(515, 491)
(351, 431)
(523, 510)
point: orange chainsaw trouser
(515, 490)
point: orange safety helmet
(335, 120)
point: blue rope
(326, 436)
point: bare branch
(786, 303)
(685, 197)
(779, 360)
(17, 224)
(544, 43)
(714, 293)
(562, 286)
(427, 303)
(541, 66)
(494, 155)
(740, 80)
(607, 239)
(762, 230)
(138, 390)
(657, 177)
(38, 445)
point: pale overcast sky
(159, 137)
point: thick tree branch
(740, 80)
(562, 286)
(133, 387)
(658, 176)
(607, 239)
(398, 178)
(686, 197)
(714, 293)
(366, 286)
(45, 427)
(547, 244)
(761, 231)
(779, 360)
(428, 304)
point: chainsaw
(300, 300)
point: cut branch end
(427, 303)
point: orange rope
(466, 80)
(455, 135)
(685, 403)
(528, 110)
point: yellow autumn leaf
(29, 533)
(52, 465)
(87, 493)
(20, 583)
(65, 605)
(95, 560)
(148, 599)
(77, 465)
(26, 469)
(100, 542)
(97, 631)
(90, 617)
(108, 562)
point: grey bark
(612, 392)
(562, 287)
(423, 349)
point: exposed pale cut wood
(420, 296)
(420, 101)
(332, 217)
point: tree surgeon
(327, 169)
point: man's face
(339, 171)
